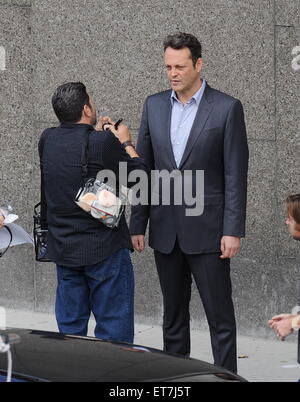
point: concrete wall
(115, 47)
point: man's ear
(87, 111)
(199, 64)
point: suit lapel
(165, 119)
(204, 110)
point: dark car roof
(57, 357)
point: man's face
(182, 73)
(293, 226)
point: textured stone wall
(115, 47)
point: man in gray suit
(193, 127)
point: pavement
(260, 359)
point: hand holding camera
(121, 131)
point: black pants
(212, 278)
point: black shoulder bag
(97, 198)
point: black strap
(84, 156)
(9, 231)
(43, 203)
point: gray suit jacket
(217, 145)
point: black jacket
(75, 238)
(218, 146)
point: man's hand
(102, 121)
(230, 246)
(282, 325)
(138, 242)
(122, 133)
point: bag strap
(43, 203)
(84, 156)
(11, 236)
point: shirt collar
(75, 125)
(196, 97)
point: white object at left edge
(19, 236)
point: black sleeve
(236, 157)
(117, 160)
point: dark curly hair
(68, 102)
(181, 40)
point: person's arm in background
(284, 324)
(236, 157)
(114, 153)
(120, 160)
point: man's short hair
(68, 102)
(181, 40)
(293, 207)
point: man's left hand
(230, 246)
(102, 121)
